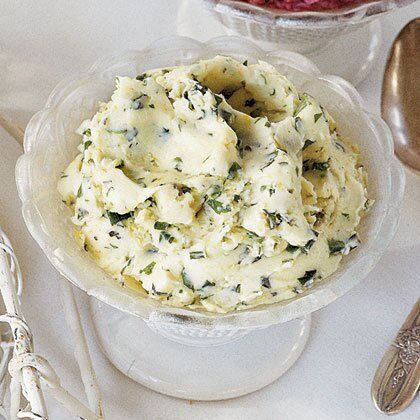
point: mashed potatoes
(216, 185)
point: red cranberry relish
(305, 5)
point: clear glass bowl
(301, 31)
(50, 144)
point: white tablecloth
(43, 42)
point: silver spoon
(401, 94)
(397, 379)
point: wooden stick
(81, 350)
(13, 129)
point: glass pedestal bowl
(304, 30)
(345, 42)
(182, 352)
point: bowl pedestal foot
(197, 368)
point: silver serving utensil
(397, 379)
(401, 94)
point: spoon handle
(397, 379)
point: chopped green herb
(292, 248)
(79, 191)
(274, 219)
(116, 131)
(217, 206)
(218, 99)
(265, 282)
(216, 191)
(233, 170)
(307, 246)
(161, 225)
(87, 132)
(252, 235)
(114, 218)
(187, 280)
(368, 204)
(317, 116)
(148, 269)
(140, 181)
(238, 288)
(339, 146)
(208, 283)
(114, 234)
(336, 247)
(157, 293)
(245, 63)
(81, 213)
(268, 124)
(165, 236)
(271, 157)
(346, 215)
(320, 166)
(225, 115)
(352, 242)
(202, 89)
(86, 144)
(299, 125)
(109, 190)
(307, 277)
(196, 255)
(185, 189)
(307, 144)
(310, 165)
(151, 249)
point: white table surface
(45, 41)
